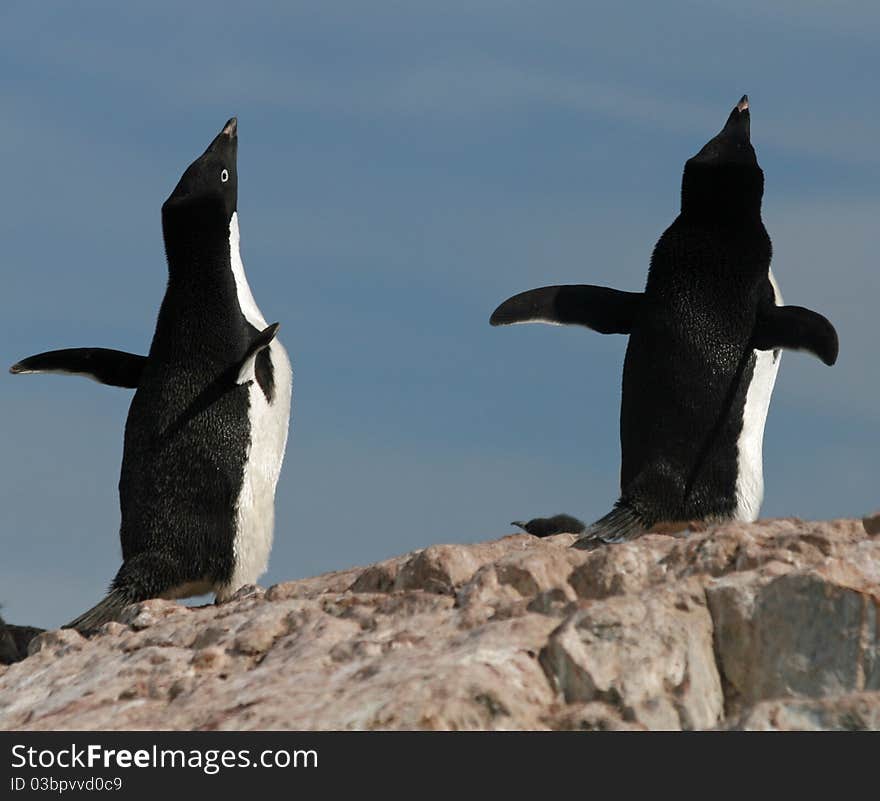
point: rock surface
(774, 625)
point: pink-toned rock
(769, 625)
(627, 568)
(58, 642)
(442, 568)
(813, 633)
(739, 547)
(509, 585)
(149, 613)
(338, 581)
(649, 655)
(853, 712)
(593, 716)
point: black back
(689, 362)
(187, 432)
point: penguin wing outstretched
(795, 328)
(113, 367)
(608, 311)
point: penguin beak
(227, 140)
(738, 125)
(231, 128)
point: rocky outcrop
(772, 625)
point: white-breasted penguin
(704, 347)
(207, 427)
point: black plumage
(694, 334)
(187, 434)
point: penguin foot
(673, 527)
(242, 593)
(548, 526)
(681, 528)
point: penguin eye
(224, 176)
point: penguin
(207, 427)
(705, 340)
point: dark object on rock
(14, 641)
(548, 526)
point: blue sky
(404, 167)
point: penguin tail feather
(103, 612)
(619, 525)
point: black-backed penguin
(207, 427)
(704, 347)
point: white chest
(255, 506)
(750, 460)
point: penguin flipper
(608, 311)
(619, 525)
(113, 367)
(247, 367)
(795, 328)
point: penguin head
(733, 143)
(210, 183)
(724, 177)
